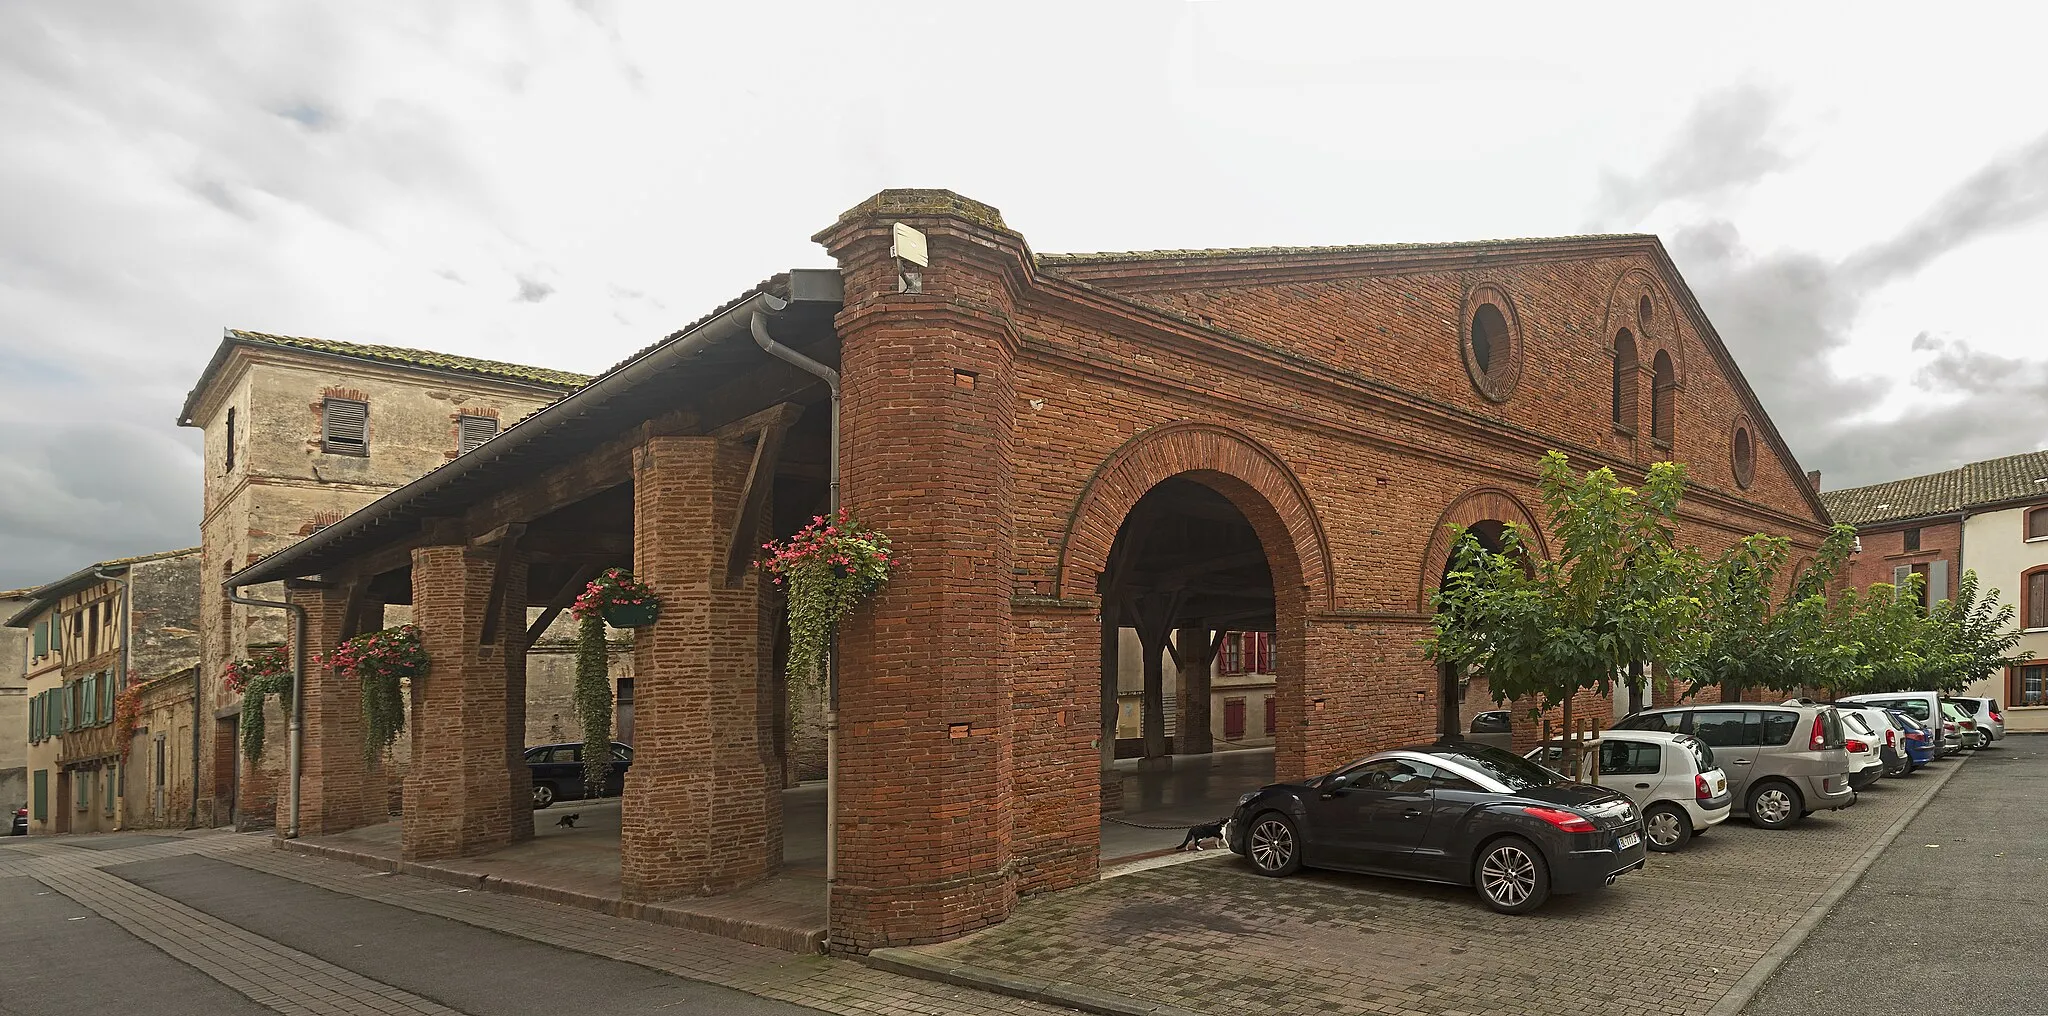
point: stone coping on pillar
(700, 915)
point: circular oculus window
(1493, 344)
(1744, 456)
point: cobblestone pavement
(1211, 937)
(287, 980)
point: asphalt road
(59, 959)
(470, 969)
(1951, 917)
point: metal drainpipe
(122, 684)
(298, 700)
(759, 326)
(198, 711)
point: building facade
(300, 432)
(93, 637)
(1060, 447)
(13, 705)
(1987, 517)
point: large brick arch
(1255, 479)
(1476, 505)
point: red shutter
(2037, 599)
(1233, 719)
(1272, 715)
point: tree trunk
(1635, 687)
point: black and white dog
(1199, 834)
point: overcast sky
(1859, 200)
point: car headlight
(1246, 798)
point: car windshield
(1515, 773)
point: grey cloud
(532, 290)
(1785, 314)
(70, 496)
(1727, 141)
(309, 116)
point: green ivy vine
(594, 700)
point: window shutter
(1902, 574)
(475, 430)
(42, 639)
(1937, 582)
(2037, 600)
(35, 719)
(2037, 524)
(42, 796)
(345, 426)
(89, 699)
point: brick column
(1192, 735)
(333, 774)
(925, 762)
(458, 785)
(702, 811)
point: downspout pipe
(759, 326)
(127, 592)
(298, 709)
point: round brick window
(1643, 314)
(1493, 343)
(1744, 457)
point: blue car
(1919, 744)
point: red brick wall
(1334, 410)
(1884, 548)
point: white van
(1924, 706)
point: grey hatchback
(1783, 762)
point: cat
(1198, 833)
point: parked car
(1874, 727)
(1924, 706)
(1783, 762)
(1494, 726)
(558, 772)
(1922, 745)
(1671, 777)
(1455, 812)
(1990, 719)
(1965, 726)
(19, 827)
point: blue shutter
(42, 639)
(35, 719)
(89, 700)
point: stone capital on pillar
(702, 811)
(468, 710)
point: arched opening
(1461, 697)
(1191, 659)
(1489, 339)
(1626, 369)
(1663, 387)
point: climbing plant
(380, 661)
(618, 599)
(827, 569)
(263, 674)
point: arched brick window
(1663, 388)
(1626, 369)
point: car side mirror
(1335, 786)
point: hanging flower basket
(828, 568)
(619, 598)
(381, 660)
(263, 674)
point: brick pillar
(458, 785)
(702, 811)
(333, 774)
(1192, 734)
(925, 711)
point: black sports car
(1454, 811)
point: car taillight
(1856, 747)
(1891, 739)
(1995, 718)
(1916, 735)
(1969, 724)
(1562, 819)
(1700, 790)
(1819, 739)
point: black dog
(567, 821)
(1198, 833)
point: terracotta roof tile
(1993, 481)
(1211, 253)
(420, 358)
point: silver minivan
(1783, 762)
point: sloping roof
(41, 596)
(2021, 477)
(1056, 261)
(397, 356)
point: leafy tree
(1887, 642)
(1751, 638)
(1619, 590)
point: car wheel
(1774, 805)
(543, 795)
(1666, 828)
(1273, 846)
(1511, 876)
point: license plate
(1628, 841)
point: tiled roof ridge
(425, 358)
(1972, 484)
(1095, 257)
